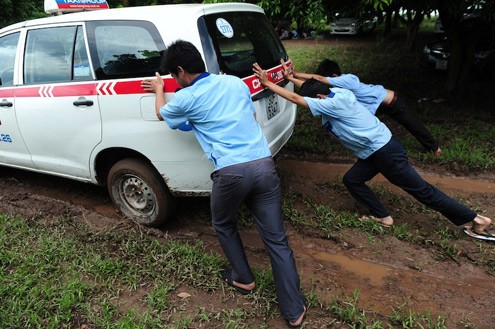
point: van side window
(8, 47)
(48, 55)
(57, 54)
(124, 49)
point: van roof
(151, 13)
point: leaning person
(377, 150)
(220, 111)
(375, 98)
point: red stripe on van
(75, 90)
(87, 89)
(134, 87)
(27, 92)
(6, 92)
(109, 87)
(275, 75)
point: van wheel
(139, 192)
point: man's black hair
(184, 54)
(328, 68)
(311, 88)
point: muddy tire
(139, 192)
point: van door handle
(81, 103)
(6, 104)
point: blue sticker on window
(225, 28)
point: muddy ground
(388, 272)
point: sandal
(227, 277)
(481, 231)
(486, 235)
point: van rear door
(232, 42)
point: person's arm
(156, 86)
(287, 94)
(307, 76)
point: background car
(351, 24)
(438, 27)
(436, 55)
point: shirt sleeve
(347, 81)
(173, 112)
(340, 100)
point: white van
(71, 102)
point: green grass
(63, 274)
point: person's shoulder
(343, 93)
(226, 77)
(350, 76)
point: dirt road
(389, 273)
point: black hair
(328, 68)
(184, 54)
(311, 88)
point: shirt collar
(199, 77)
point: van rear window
(242, 38)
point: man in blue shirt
(377, 150)
(220, 111)
(374, 98)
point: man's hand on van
(153, 85)
(286, 71)
(156, 86)
(260, 74)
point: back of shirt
(348, 120)
(220, 109)
(371, 96)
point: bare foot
(438, 152)
(480, 224)
(385, 221)
(248, 286)
(299, 321)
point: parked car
(72, 105)
(352, 24)
(436, 55)
(438, 27)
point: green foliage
(20, 10)
(379, 4)
(303, 14)
(272, 8)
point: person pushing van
(375, 98)
(377, 150)
(220, 111)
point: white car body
(80, 127)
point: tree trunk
(412, 27)
(388, 21)
(463, 35)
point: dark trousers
(257, 185)
(398, 111)
(392, 162)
